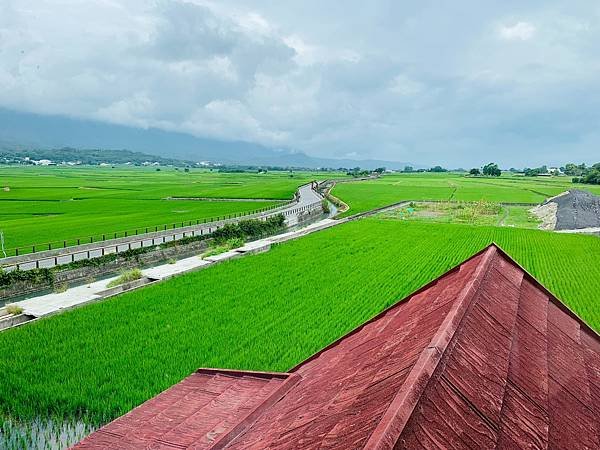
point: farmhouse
(482, 357)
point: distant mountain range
(22, 131)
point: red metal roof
(482, 357)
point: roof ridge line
(383, 312)
(551, 296)
(404, 402)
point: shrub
(126, 277)
(235, 243)
(61, 287)
(13, 309)
(325, 206)
(251, 228)
(34, 276)
(222, 246)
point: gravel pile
(577, 209)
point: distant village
(48, 162)
(102, 158)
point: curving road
(307, 200)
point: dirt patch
(429, 214)
(547, 214)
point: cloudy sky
(458, 83)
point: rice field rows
(265, 312)
(366, 195)
(52, 204)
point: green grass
(264, 312)
(126, 277)
(54, 204)
(14, 309)
(219, 247)
(366, 195)
(520, 217)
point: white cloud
(374, 79)
(522, 31)
(403, 85)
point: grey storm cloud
(456, 83)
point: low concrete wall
(118, 245)
(126, 287)
(82, 274)
(12, 321)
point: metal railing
(96, 238)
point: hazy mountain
(25, 130)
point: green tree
(438, 169)
(492, 170)
(475, 171)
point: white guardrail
(306, 200)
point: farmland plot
(52, 204)
(366, 195)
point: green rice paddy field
(53, 204)
(366, 195)
(263, 312)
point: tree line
(583, 174)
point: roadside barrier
(47, 255)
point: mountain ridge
(22, 130)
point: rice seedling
(366, 195)
(42, 433)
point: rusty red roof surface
(483, 357)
